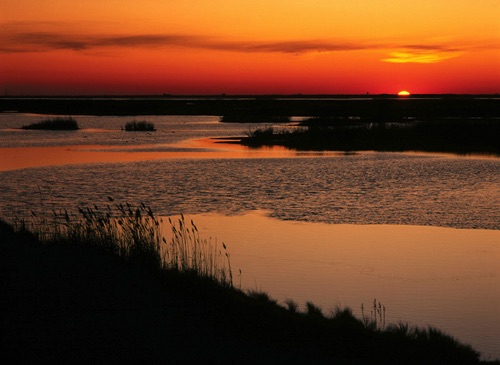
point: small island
(55, 124)
(455, 135)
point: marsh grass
(314, 310)
(139, 126)
(459, 135)
(59, 123)
(134, 233)
(268, 135)
(376, 320)
(292, 306)
(188, 252)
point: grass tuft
(292, 306)
(139, 126)
(313, 310)
(261, 297)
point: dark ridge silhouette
(72, 292)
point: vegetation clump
(59, 123)
(267, 136)
(139, 126)
(457, 135)
(134, 233)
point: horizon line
(238, 95)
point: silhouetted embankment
(73, 292)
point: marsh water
(419, 232)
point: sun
(404, 93)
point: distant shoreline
(375, 106)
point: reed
(376, 320)
(59, 123)
(188, 252)
(134, 233)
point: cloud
(46, 41)
(23, 37)
(294, 46)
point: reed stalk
(135, 234)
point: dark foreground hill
(67, 303)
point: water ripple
(376, 188)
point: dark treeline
(377, 107)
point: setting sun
(404, 93)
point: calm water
(419, 232)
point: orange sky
(260, 46)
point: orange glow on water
(425, 275)
(26, 157)
(348, 253)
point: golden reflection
(25, 157)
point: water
(443, 277)
(420, 232)
(106, 131)
(365, 189)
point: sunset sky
(249, 47)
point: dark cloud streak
(18, 41)
(44, 41)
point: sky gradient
(243, 47)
